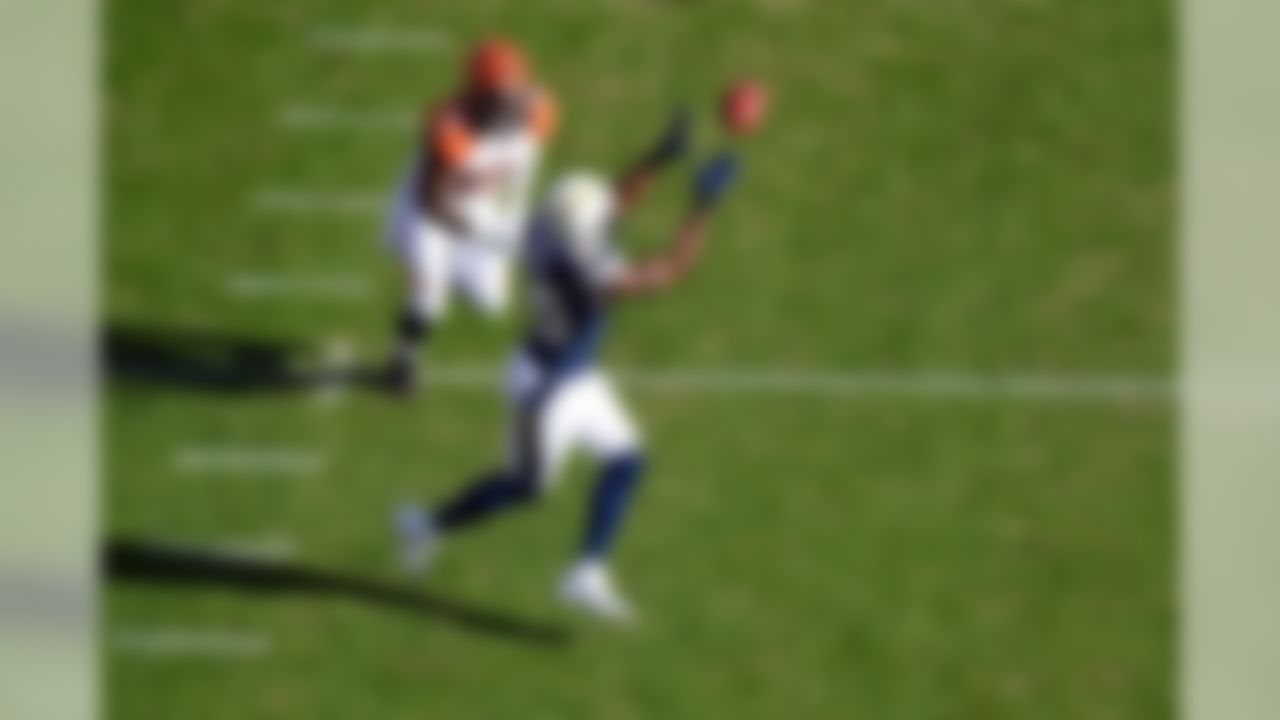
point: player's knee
(527, 487)
(424, 305)
(492, 306)
(628, 467)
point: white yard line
(793, 383)
(267, 286)
(328, 203)
(258, 461)
(190, 642)
(315, 118)
(377, 40)
(337, 361)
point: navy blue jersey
(567, 303)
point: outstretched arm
(686, 249)
(671, 146)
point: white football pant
(552, 419)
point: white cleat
(418, 536)
(587, 587)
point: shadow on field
(215, 362)
(138, 561)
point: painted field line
(337, 361)
(268, 286)
(316, 118)
(190, 642)
(225, 460)
(292, 201)
(925, 385)
(368, 40)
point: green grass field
(979, 187)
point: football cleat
(418, 536)
(588, 587)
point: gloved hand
(675, 140)
(714, 179)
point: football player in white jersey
(561, 400)
(459, 215)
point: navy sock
(489, 495)
(617, 483)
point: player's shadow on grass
(130, 560)
(215, 362)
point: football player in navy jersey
(561, 399)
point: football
(743, 106)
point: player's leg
(484, 274)
(540, 440)
(517, 483)
(424, 249)
(609, 433)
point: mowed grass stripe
(302, 201)
(321, 118)
(190, 642)
(928, 385)
(351, 39)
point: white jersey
(498, 205)
(495, 168)
(494, 172)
